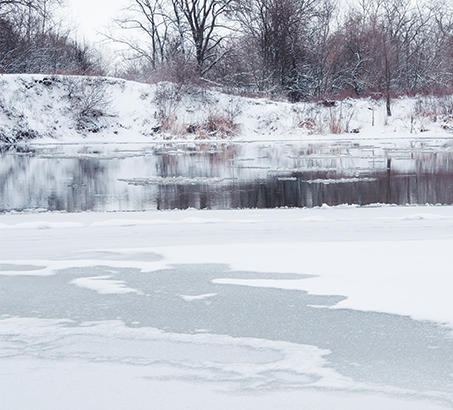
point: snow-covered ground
(345, 308)
(74, 109)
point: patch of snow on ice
(410, 278)
(339, 181)
(247, 362)
(287, 284)
(423, 216)
(137, 222)
(184, 221)
(103, 285)
(114, 155)
(173, 181)
(198, 297)
(314, 219)
(127, 222)
(224, 357)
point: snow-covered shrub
(181, 110)
(167, 98)
(17, 134)
(20, 130)
(430, 108)
(89, 101)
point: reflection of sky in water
(224, 175)
(386, 349)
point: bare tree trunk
(387, 85)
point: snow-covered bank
(74, 109)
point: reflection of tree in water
(209, 160)
(430, 182)
(269, 193)
(253, 176)
(18, 176)
(89, 186)
(30, 182)
(203, 160)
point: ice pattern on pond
(258, 338)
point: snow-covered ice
(333, 307)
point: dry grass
(308, 118)
(340, 117)
(320, 118)
(217, 125)
(434, 107)
(431, 109)
(309, 124)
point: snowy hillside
(70, 108)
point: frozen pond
(130, 177)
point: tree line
(32, 40)
(303, 49)
(300, 49)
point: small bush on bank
(17, 135)
(89, 101)
(218, 125)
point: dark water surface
(225, 175)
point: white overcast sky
(90, 16)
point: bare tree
(174, 32)
(386, 47)
(203, 18)
(149, 18)
(443, 15)
(283, 32)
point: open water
(224, 175)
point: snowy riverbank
(75, 109)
